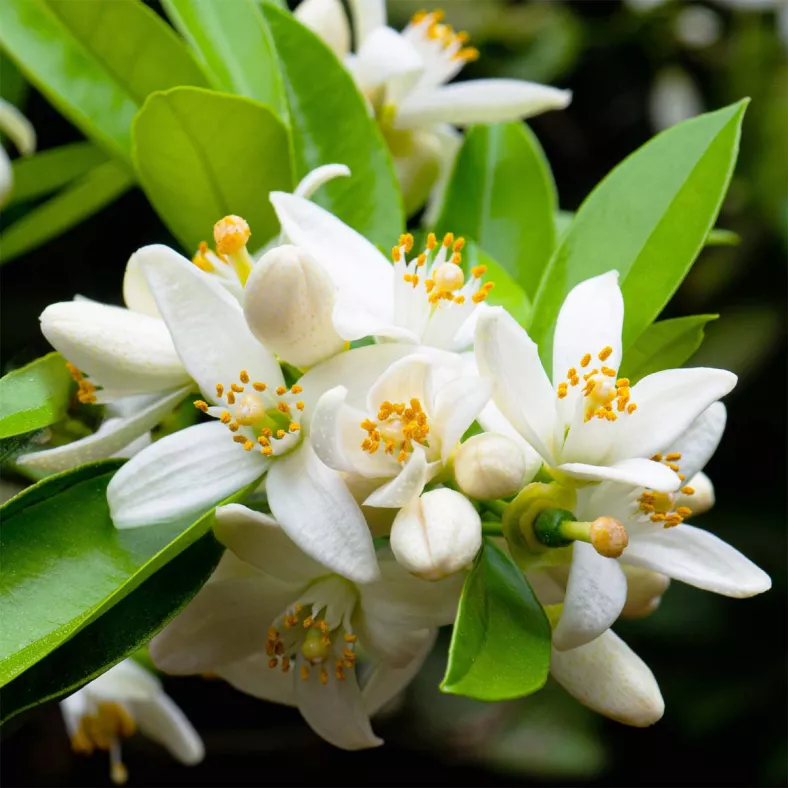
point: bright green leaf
(648, 219)
(666, 344)
(118, 634)
(69, 207)
(234, 43)
(65, 564)
(500, 647)
(202, 155)
(502, 195)
(34, 396)
(331, 124)
(50, 170)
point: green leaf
(114, 636)
(74, 204)
(666, 344)
(96, 62)
(235, 46)
(65, 564)
(331, 124)
(648, 219)
(500, 647)
(202, 155)
(34, 396)
(502, 195)
(46, 172)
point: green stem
(499, 507)
(492, 528)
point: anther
(219, 390)
(233, 426)
(280, 390)
(230, 398)
(673, 456)
(448, 239)
(257, 386)
(236, 388)
(201, 405)
(294, 427)
(605, 353)
(243, 376)
(586, 360)
(688, 490)
(432, 241)
(684, 511)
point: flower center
(659, 505)
(442, 277)
(398, 427)
(601, 388)
(86, 391)
(431, 29)
(102, 731)
(258, 416)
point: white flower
(404, 75)
(437, 534)
(658, 540)
(118, 702)
(279, 626)
(405, 431)
(425, 300)
(489, 466)
(258, 430)
(589, 424)
(21, 131)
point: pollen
(478, 271)
(257, 386)
(673, 456)
(231, 234)
(432, 241)
(296, 389)
(605, 353)
(236, 388)
(688, 490)
(86, 391)
(243, 376)
(201, 405)
(219, 390)
(399, 426)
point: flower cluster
(378, 411)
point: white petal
(700, 441)
(702, 498)
(181, 475)
(457, 404)
(121, 349)
(136, 293)
(387, 681)
(125, 681)
(362, 275)
(608, 677)
(111, 437)
(228, 620)
(253, 676)
(449, 142)
(257, 539)
(385, 55)
(406, 485)
(6, 184)
(336, 711)
(366, 15)
(699, 558)
(638, 473)
(162, 721)
(315, 508)
(479, 101)
(326, 430)
(313, 180)
(207, 324)
(17, 127)
(595, 595)
(668, 402)
(404, 380)
(74, 708)
(327, 19)
(507, 355)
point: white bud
(437, 534)
(490, 466)
(288, 305)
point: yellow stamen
(231, 234)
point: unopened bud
(490, 466)
(437, 534)
(288, 305)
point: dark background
(720, 662)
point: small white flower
(589, 424)
(21, 131)
(118, 702)
(405, 431)
(489, 466)
(280, 626)
(437, 534)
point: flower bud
(288, 305)
(437, 534)
(490, 466)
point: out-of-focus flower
(437, 534)
(489, 466)
(589, 424)
(117, 703)
(697, 26)
(404, 75)
(280, 626)
(674, 98)
(21, 131)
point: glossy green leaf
(648, 219)
(69, 207)
(331, 124)
(202, 155)
(118, 634)
(50, 170)
(506, 293)
(666, 344)
(65, 564)
(502, 195)
(500, 646)
(34, 396)
(235, 46)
